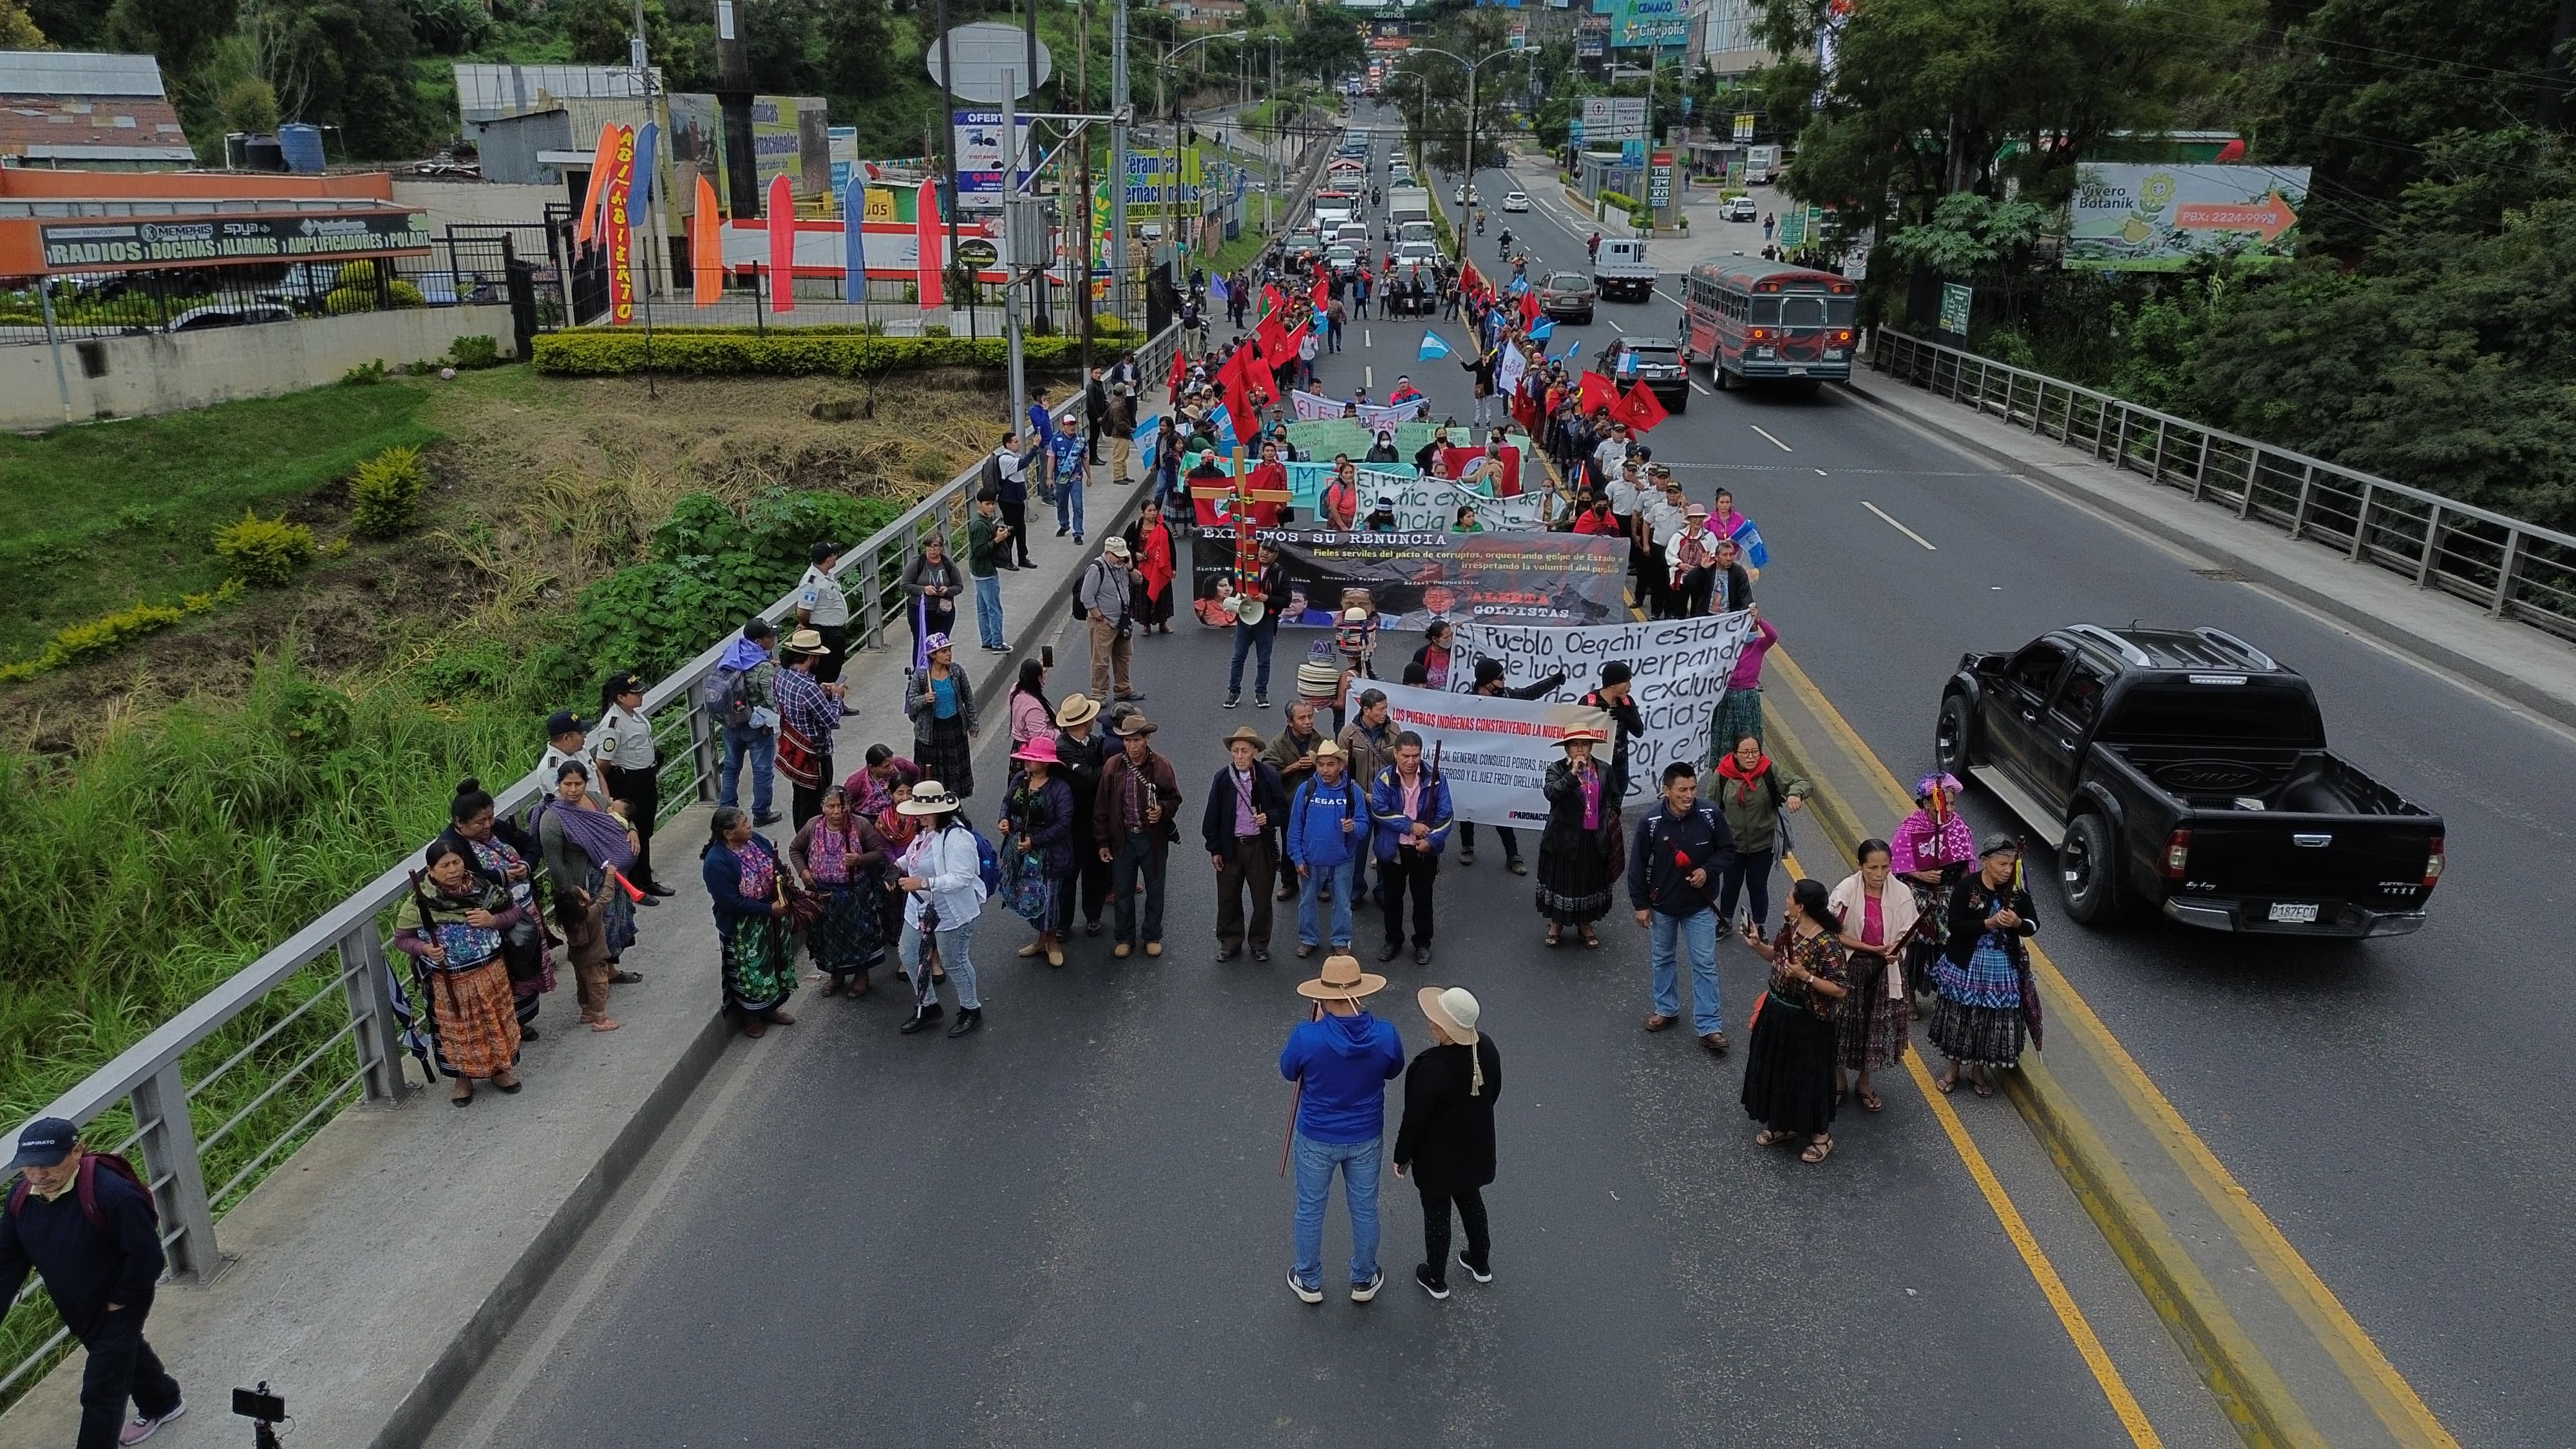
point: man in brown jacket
(1293, 756)
(1133, 817)
(1369, 740)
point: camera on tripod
(265, 1411)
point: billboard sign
(2157, 218)
(1591, 37)
(979, 158)
(189, 241)
(1743, 127)
(1955, 297)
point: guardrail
(2512, 569)
(147, 1095)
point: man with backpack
(1006, 477)
(742, 699)
(1107, 600)
(1674, 865)
(85, 1222)
(1328, 826)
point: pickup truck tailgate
(2376, 864)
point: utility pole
(948, 153)
(1119, 104)
(733, 102)
(657, 108)
(1038, 283)
(1010, 244)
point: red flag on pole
(1529, 306)
(782, 246)
(706, 248)
(927, 270)
(1322, 296)
(1640, 409)
(1594, 392)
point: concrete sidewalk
(2525, 665)
(375, 1270)
(2286, 1362)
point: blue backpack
(987, 864)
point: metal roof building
(88, 109)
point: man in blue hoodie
(1328, 827)
(1341, 1061)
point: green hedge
(845, 351)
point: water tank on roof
(260, 153)
(302, 146)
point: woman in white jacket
(943, 885)
(1876, 915)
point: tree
(178, 33)
(18, 29)
(250, 105)
(1970, 235)
(1326, 46)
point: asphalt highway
(2377, 1099)
(1069, 1229)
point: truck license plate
(1796, 371)
(2286, 914)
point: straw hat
(1134, 724)
(1076, 709)
(1040, 748)
(805, 641)
(1245, 734)
(1329, 750)
(1593, 733)
(1453, 1009)
(928, 798)
(933, 643)
(1341, 980)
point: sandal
(1818, 1150)
(625, 978)
(1769, 1138)
(601, 1023)
(1590, 939)
(1555, 937)
(1983, 1087)
(1870, 1102)
(509, 1087)
(463, 1096)
(1946, 1085)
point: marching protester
(1108, 598)
(1738, 715)
(739, 697)
(939, 699)
(1269, 594)
(1369, 743)
(1445, 1140)
(1151, 548)
(1006, 478)
(454, 928)
(1988, 1006)
(841, 859)
(1410, 802)
(1681, 848)
(1614, 697)
(629, 767)
(1489, 682)
(1136, 824)
(757, 960)
(1341, 1059)
(1037, 837)
(1789, 1072)
(1931, 848)
(1329, 831)
(1031, 715)
(1245, 803)
(1437, 655)
(586, 850)
(943, 884)
(822, 607)
(809, 714)
(1755, 794)
(1292, 754)
(85, 1222)
(1873, 916)
(1580, 852)
(1082, 752)
(933, 582)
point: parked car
(1654, 361)
(1516, 201)
(2184, 771)
(241, 314)
(1567, 296)
(1739, 208)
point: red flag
(1469, 279)
(1529, 305)
(706, 249)
(927, 271)
(1594, 393)
(1290, 345)
(1272, 299)
(782, 246)
(1180, 369)
(1272, 338)
(1640, 409)
(1322, 296)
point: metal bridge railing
(245, 1033)
(2512, 569)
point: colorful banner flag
(1680, 669)
(1641, 410)
(706, 247)
(621, 237)
(927, 270)
(1431, 347)
(781, 216)
(854, 246)
(1541, 331)
(595, 196)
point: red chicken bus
(1752, 319)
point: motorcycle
(1505, 254)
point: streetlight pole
(1118, 113)
(1472, 66)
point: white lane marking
(1703, 392)
(1820, 472)
(1368, 375)
(1614, 326)
(1774, 442)
(1899, 527)
(1367, 338)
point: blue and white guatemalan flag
(1432, 347)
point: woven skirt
(1738, 713)
(1574, 884)
(1870, 1031)
(477, 1027)
(846, 938)
(758, 964)
(1789, 1070)
(1980, 1036)
(944, 753)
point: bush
(384, 493)
(365, 374)
(114, 631)
(344, 299)
(265, 551)
(800, 351)
(1618, 201)
(475, 351)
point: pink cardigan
(1029, 719)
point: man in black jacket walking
(1446, 1142)
(1245, 803)
(92, 1233)
(1095, 412)
(1681, 849)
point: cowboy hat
(1076, 709)
(806, 641)
(1328, 750)
(1040, 748)
(928, 798)
(1247, 735)
(1591, 733)
(1134, 724)
(1453, 1009)
(1341, 980)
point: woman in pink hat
(1037, 846)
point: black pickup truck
(2185, 771)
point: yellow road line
(2354, 1351)
(2051, 1287)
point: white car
(1466, 196)
(1740, 208)
(1516, 201)
(1417, 251)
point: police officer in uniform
(630, 768)
(567, 738)
(822, 606)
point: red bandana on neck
(1729, 768)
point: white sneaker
(1304, 1293)
(1363, 1292)
(143, 1428)
(1484, 1276)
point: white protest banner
(1493, 751)
(1372, 416)
(1680, 668)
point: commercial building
(88, 109)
